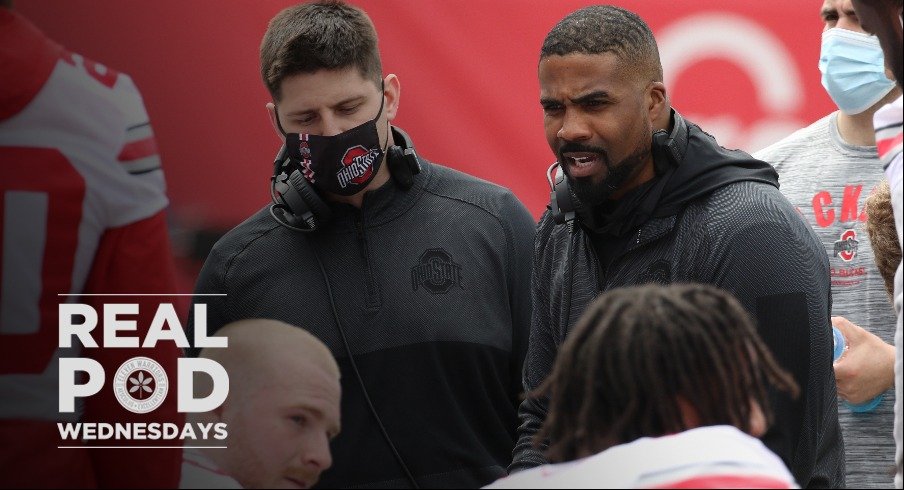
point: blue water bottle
(840, 344)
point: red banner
(744, 72)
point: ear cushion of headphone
(394, 155)
(320, 210)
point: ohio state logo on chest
(846, 247)
(358, 165)
(436, 272)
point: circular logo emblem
(140, 385)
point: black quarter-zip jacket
(712, 216)
(432, 288)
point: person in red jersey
(82, 211)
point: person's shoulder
(198, 471)
(459, 188)
(890, 114)
(545, 476)
(103, 91)
(91, 119)
(738, 205)
(745, 195)
(716, 448)
(244, 235)
(800, 141)
(750, 209)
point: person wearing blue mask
(828, 170)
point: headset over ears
(664, 148)
(297, 206)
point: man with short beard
(648, 196)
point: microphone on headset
(561, 202)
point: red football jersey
(82, 211)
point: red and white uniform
(82, 207)
(198, 471)
(707, 457)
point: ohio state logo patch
(846, 248)
(436, 272)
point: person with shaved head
(281, 412)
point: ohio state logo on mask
(343, 163)
(358, 166)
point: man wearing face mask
(828, 170)
(415, 276)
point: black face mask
(342, 164)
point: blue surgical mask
(853, 69)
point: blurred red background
(745, 71)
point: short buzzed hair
(602, 29)
(324, 35)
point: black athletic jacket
(431, 285)
(711, 216)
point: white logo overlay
(141, 383)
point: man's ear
(391, 90)
(657, 103)
(271, 111)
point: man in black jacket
(414, 275)
(647, 196)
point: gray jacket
(431, 286)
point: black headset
(296, 204)
(665, 148)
